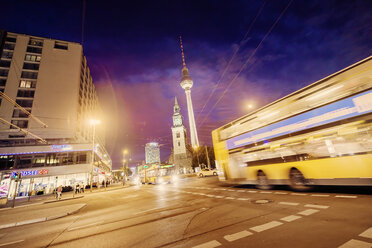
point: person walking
(59, 192)
(77, 189)
(82, 187)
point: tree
(200, 152)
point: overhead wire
(233, 56)
(246, 62)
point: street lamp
(125, 152)
(93, 123)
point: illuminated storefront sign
(32, 173)
(346, 108)
(62, 147)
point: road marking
(243, 199)
(222, 189)
(291, 218)
(13, 242)
(241, 190)
(346, 196)
(289, 203)
(230, 190)
(367, 233)
(88, 225)
(129, 196)
(280, 193)
(219, 196)
(356, 244)
(298, 194)
(210, 195)
(308, 212)
(230, 198)
(238, 235)
(316, 206)
(320, 195)
(210, 244)
(252, 191)
(266, 226)
(266, 192)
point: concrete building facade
(51, 80)
(152, 151)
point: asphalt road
(200, 212)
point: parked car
(207, 172)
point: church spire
(176, 106)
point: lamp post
(125, 152)
(93, 123)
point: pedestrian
(77, 189)
(82, 187)
(59, 192)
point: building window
(22, 135)
(61, 45)
(7, 55)
(25, 93)
(2, 81)
(30, 66)
(19, 123)
(24, 103)
(11, 39)
(39, 160)
(179, 143)
(178, 135)
(4, 72)
(27, 84)
(35, 58)
(17, 113)
(4, 63)
(9, 46)
(29, 74)
(35, 42)
(34, 50)
(24, 161)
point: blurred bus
(157, 174)
(318, 135)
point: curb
(38, 220)
(66, 199)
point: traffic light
(17, 176)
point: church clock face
(177, 121)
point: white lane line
(298, 194)
(210, 195)
(219, 196)
(230, 198)
(316, 206)
(148, 210)
(307, 212)
(88, 225)
(266, 226)
(252, 191)
(266, 192)
(222, 189)
(353, 243)
(238, 235)
(289, 203)
(13, 242)
(367, 233)
(346, 196)
(243, 199)
(241, 190)
(210, 244)
(281, 193)
(291, 218)
(230, 190)
(320, 195)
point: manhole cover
(262, 201)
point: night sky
(133, 51)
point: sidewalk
(17, 217)
(41, 199)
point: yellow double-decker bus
(318, 135)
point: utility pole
(208, 161)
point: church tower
(182, 155)
(186, 84)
